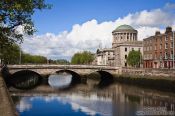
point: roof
(124, 27)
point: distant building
(105, 57)
(158, 50)
(124, 41)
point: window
(125, 64)
(166, 38)
(160, 40)
(155, 56)
(171, 44)
(155, 47)
(166, 55)
(171, 37)
(125, 56)
(171, 56)
(160, 46)
(160, 55)
(125, 49)
(151, 56)
(166, 45)
(150, 48)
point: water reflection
(60, 80)
(85, 100)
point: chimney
(168, 30)
(157, 33)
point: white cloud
(90, 34)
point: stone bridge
(51, 69)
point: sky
(76, 25)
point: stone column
(127, 35)
(133, 37)
(119, 36)
(130, 37)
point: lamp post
(173, 49)
(20, 54)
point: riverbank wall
(170, 73)
(159, 79)
(6, 104)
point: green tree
(82, 58)
(11, 54)
(14, 13)
(134, 58)
(33, 59)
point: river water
(88, 99)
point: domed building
(124, 33)
(124, 41)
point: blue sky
(65, 13)
(76, 25)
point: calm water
(86, 99)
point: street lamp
(173, 50)
(20, 52)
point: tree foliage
(14, 13)
(134, 58)
(33, 59)
(59, 61)
(82, 58)
(11, 54)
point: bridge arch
(105, 74)
(105, 78)
(25, 79)
(76, 78)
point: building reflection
(115, 100)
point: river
(88, 99)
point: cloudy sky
(76, 25)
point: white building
(124, 40)
(105, 57)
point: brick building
(158, 50)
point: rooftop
(124, 27)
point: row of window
(132, 49)
(161, 38)
(149, 48)
(165, 56)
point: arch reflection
(60, 80)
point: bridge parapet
(50, 69)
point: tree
(15, 13)
(11, 54)
(33, 59)
(82, 58)
(134, 58)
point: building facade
(159, 50)
(124, 41)
(105, 57)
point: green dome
(124, 27)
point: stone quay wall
(6, 104)
(148, 72)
